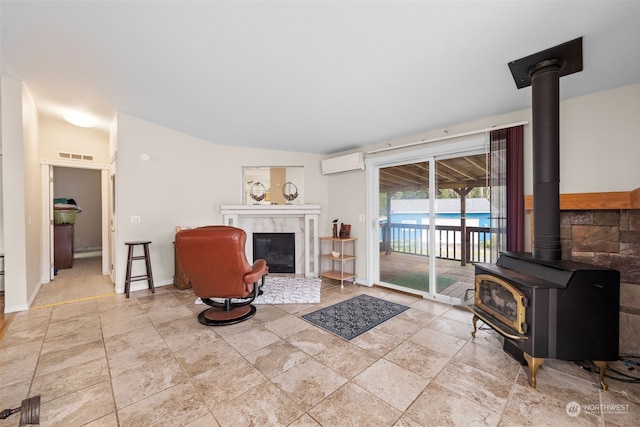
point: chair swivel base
(216, 316)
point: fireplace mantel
(301, 219)
(270, 210)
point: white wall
(56, 136)
(347, 197)
(33, 199)
(599, 151)
(600, 142)
(184, 182)
(187, 179)
(21, 199)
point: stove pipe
(542, 71)
(545, 90)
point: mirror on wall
(273, 185)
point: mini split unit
(348, 162)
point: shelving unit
(342, 267)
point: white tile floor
(146, 361)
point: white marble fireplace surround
(299, 219)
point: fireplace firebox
(279, 249)
(502, 300)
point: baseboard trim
(87, 254)
(142, 285)
(14, 308)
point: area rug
(355, 316)
(285, 290)
(290, 290)
(420, 281)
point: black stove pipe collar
(545, 86)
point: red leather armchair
(213, 259)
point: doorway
(432, 219)
(86, 275)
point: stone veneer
(609, 238)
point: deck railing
(414, 239)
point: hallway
(84, 281)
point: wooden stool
(147, 260)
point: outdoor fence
(449, 241)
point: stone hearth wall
(609, 238)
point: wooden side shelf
(343, 266)
(337, 275)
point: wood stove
(549, 309)
(543, 306)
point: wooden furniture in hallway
(63, 246)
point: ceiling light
(80, 120)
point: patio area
(412, 270)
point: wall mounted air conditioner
(348, 162)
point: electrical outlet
(76, 240)
(135, 219)
(361, 217)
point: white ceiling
(308, 76)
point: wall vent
(75, 156)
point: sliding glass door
(403, 194)
(462, 222)
(432, 221)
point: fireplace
(543, 306)
(549, 309)
(279, 249)
(302, 220)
